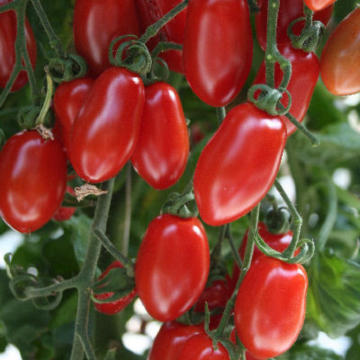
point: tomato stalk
(234, 250)
(220, 113)
(127, 219)
(47, 101)
(253, 6)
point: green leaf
(307, 352)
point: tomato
(8, 32)
(339, 59)
(288, 12)
(65, 213)
(270, 306)
(172, 266)
(163, 147)
(200, 347)
(114, 307)
(316, 5)
(106, 130)
(68, 99)
(305, 72)
(218, 49)
(239, 164)
(171, 339)
(152, 11)
(96, 24)
(33, 180)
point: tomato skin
(305, 73)
(173, 258)
(65, 213)
(200, 347)
(162, 150)
(118, 305)
(239, 164)
(218, 49)
(270, 306)
(171, 339)
(35, 180)
(68, 99)
(316, 5)
(339, 59)
(96, 24)
(8, 32)
(288, 12)
(106, 130)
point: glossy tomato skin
(68, 99)
(162, 150)
(173, 258)
(171, 339)
(8, 32)
(218, 49)
(288, 12)
(200, 347)
(339, 59)
(150, 11)
(65, 213)
(239, 164)
(305, 73)
(35, 180)
(114, 307)
(317, 5)
(270, 306)
(106, 130)
(96, 24)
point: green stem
(165, 46)
(216, 252)
(220, 113)
(127, 220)
(234, 250)
(13, 5)
(47, 102)
(253, 6)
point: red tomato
(340, 70)
(200, 347)
(65, 213)
(218, 49)
(270, 306)
(68, 99)
(96, 24)
(163, 147)
(150, 12)
(35, 180)
(117, 305)
(172, 266)
(305, 72)
(171, 339)
(8, 32)
(239, 164)
(316, 5)
(106, 130)
(288, 12)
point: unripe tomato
(218, 49)
(340, 70)
(8, 32)
(239, 164)
(96, 24)
(106, 130)
(65, 213)
(163, 147)
(270, 306)
(172, 266)
(304, 76)
(32, 181)
(316, 5)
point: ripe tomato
(163, 147)
(239, 164)
(96, 24)
(114, 307)
(149, 13)
(339, 59)
(8, 32)
(200, 347)
(316, 5)
(35, 180)
(65, 213)
(305, 72)
(172, 266)
(218, 49)
(106, 130)
(270, 306)
(171, 339)
(288, 12)
(68, 99)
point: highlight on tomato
(239, 164)
(35, 180)
(218, 49)
(270, 306)
(172, 266)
